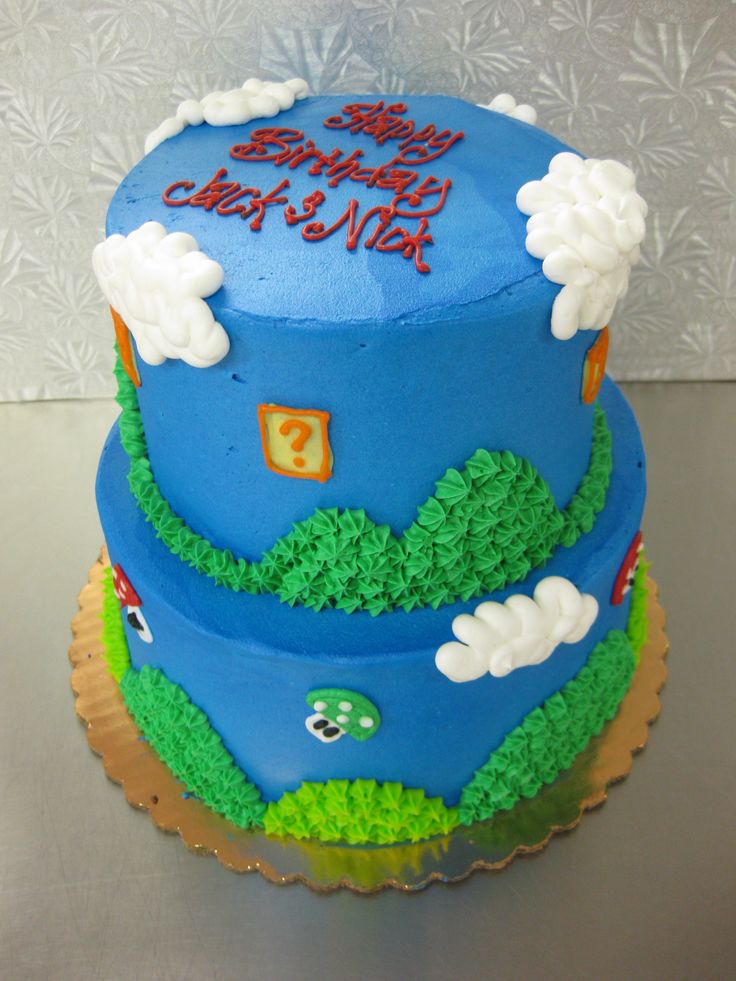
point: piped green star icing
(185, 741)
(551, 736)
(358, 812)
(363, 811)
(487, 526)
(637, 626)
(115, 646)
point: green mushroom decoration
(338, 711)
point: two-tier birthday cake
(371, 506)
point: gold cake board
(528, 827)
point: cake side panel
(413, 371)
(249, 663)
(405, 403)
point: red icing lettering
(310, 204)
(224, 195)
(256, 150)
(175, 202)
(384, 237)
(214, 191)
(408, 245)
(368, 116)
(315, 230)
(259, 204)
(416, 146)
(418, 153)
(308, 152)
(323, 160)
(412, 199)
(415, 197)
(227, 204)
(343, 168)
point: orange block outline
(594, 367)
(325, 471)
(127, 358)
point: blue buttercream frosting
(417, 370)
(249, 661)
(478, 249)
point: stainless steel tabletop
(644, 888)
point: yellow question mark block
(295, 442)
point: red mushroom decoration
(625, 576)
(130, 602)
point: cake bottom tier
(237, 692)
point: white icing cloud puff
(507, 105)
(501, 637)
(586, 224)
(255, 100)
(157, 283)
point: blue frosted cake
(371, 506)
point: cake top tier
(419, 191)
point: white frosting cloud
(507, 105)
(501, 637)
(255, 100)
(157, 283)
(587, 222)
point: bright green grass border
(488, 525)
(638, 625)
(179, 732)
(363, 811)
(359, 812)
(116, 653)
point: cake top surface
(460, 190)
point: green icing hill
(361, 811)
(185, 741)
(487, 526)
(551, 736)
(358, 812)
(116, 653)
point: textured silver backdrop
(650, 82)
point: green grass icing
(638, 623)
(363, 811)
(185, 741)
(551, 736)
(113, 636)
(358, 812)
(487, 525)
